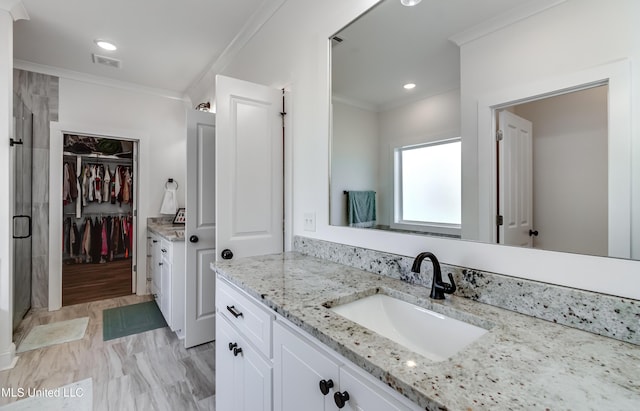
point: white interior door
(200, 228)
(249, 169)
(515, 180)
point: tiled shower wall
(39, 92)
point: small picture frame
(181, 216)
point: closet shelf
(102, 157)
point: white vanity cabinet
(168, 280)
(244, 370)
(245, 382)
(309, 376)
(299, 369)
(263, 362)
(156, 268)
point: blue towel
(361, 207)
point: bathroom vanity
(286, 348)
(166, 258)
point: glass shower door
(22, 147)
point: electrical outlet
(309, 221)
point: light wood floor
(147, 371)
(82, 283)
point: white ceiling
(163, 44)
(393, 45)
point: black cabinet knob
(232, 346)
(194, 238)
(341, 398)
(237, 351)
(533, 233)
(325, 386)
(226, 254)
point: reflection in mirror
(404, 144)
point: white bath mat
(54, 333)
(77, 396)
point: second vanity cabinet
(263, 362)
(167, 280)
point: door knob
(194, 238)
(533, 233)
(341, 399)
(325, 386)
(226, 254)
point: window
(427, 187)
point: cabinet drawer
(253, 321)
(166, 250)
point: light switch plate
(310, 221)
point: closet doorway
(99, 209)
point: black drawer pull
(164, 250)
(341, 399)
(325, 386)
(232, 346)
(236, 351)
(234, 311)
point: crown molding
(503, 20)
(98, 80)
(258, 19)
(15, 8)
(337, 98)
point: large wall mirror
(403, 160)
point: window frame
(397, 220)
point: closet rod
(124, 213)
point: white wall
(574, 36)
(570, 194)
(354, 156)
(159, 123)
(430, 119)
(292, 50)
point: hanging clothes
(97, 183)
(106, 185)
(66, 197)
(104, 241)
(86, 240)
(86, 177)
(75, 245)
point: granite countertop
(522, 363)
(166, 229)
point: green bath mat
(131, 319)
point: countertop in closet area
(522, 363)
(165, 228)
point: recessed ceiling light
(410, 3)
(409, 86)
(107, 45)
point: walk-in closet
(99, 197)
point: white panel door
(200, 229)
(298, 370)
(515, 180)
(249, 169)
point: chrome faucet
(438, 288)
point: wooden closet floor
(82, 283)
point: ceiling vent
(107, 61)
(335, 40)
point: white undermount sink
(426, 332)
